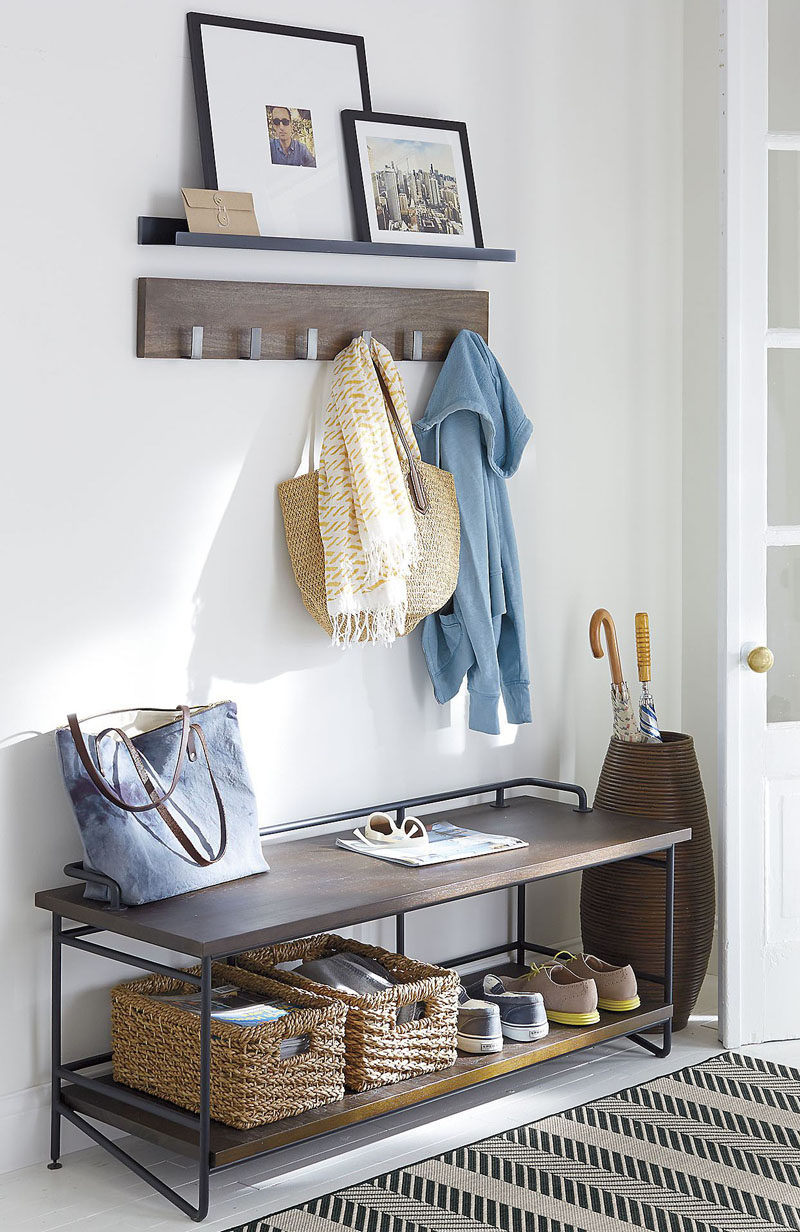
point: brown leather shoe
(616, 986)
(567, 998)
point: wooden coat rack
(184, 318)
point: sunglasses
(278, 120)
(381, 828)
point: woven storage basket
(156, 1048)
(378, 1049)
(431, 582)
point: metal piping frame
(669, 930)
(71, 1072)
(399, 807)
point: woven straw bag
(433, 502)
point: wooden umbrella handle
(643, 646)
(602, 619)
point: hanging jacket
(475, 428)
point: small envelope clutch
(213, 212)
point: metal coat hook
(197, 342)
(306, 344)
(413, 348)
(366, 334)
(255, 342)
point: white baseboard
(25, 1130)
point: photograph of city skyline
(414, 186)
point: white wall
(143, 550)
(702, 438)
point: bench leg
(400, 933)
(664, 1049)
(521, 925)
(55, 1046)
(204, 1143)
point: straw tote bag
(433, 501)
(168, 810)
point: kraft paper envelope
(214, 212)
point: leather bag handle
(418, 493)
(172, 825)
(105, 789)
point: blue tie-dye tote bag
(167, 810)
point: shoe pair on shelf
(497, 1012)
(570, 989)
(575, 986)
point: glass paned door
(783, 436)
(761, 829)
(784, 238)
(784, 78)
(783, 634)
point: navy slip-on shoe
(522, 1014)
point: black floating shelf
(175, 231)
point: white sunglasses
(381, 828)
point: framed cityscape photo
(411, 180)
(269, 100)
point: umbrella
(647, 707)
(626, 726)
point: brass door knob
(760, 659)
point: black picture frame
(195, 23)
(364, 229)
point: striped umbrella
(647, 707)
(626, 724)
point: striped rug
(709, 1148)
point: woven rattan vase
(622, 905)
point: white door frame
(761, 760)
(744, 378)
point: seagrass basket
(378, 1049)
(156, 1048)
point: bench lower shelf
(229, 1146)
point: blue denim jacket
(475, 428)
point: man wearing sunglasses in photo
(285, 149)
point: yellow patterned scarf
(365, 518)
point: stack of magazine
(232, 1004)
(445, 842)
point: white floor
(94, 1193)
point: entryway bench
(313, 887)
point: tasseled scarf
(366, 521)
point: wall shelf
(175, 231)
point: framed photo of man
(269, 100)
(411, 179)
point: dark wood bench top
(314, 886)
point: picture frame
(412, 180)
(269, 99)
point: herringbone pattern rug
(711, 1148)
